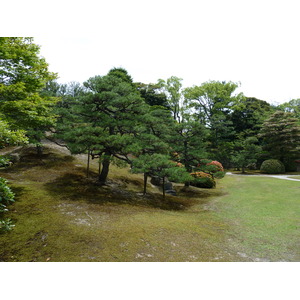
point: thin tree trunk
(164, 193)
(39, 149)
(145, 183)
(88, 165)
(187, 184)
(105, 168)
(99, 167)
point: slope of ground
(60, 215)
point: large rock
(155, 180)
(14, 157)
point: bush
(6, 195)
(272, 166)
(4, 161)
(6, 198)
(203, 180)
(214, 168)
(6, 225)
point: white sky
(254, 42)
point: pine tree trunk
(105, 168)
(145, 183)
(88, 165)
(164, 193)
(39, 149)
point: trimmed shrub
(272, 166)
(203, 180)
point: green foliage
(23, 74)
(249, 114)
(6, 225)
(188, 142)
(203, 180)
(281, 137)
(6, 195)
(152, 95)
(293, 106)
(246, 152)
(6, 198)
(172, 89)
(4, 161)
(272, 166)
(9, 136)
(159, 165)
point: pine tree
(281, 137)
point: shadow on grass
(30, 159)
(77, 187)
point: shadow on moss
(77, 187)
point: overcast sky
(252, 42)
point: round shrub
(203, 180)
(272, 166)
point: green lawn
(62, 216)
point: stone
(171, 192)
(14, 157)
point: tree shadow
(76, 187)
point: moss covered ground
(60, 215)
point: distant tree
(210, 99)
(292, 106)
(188, 142)
(152, 95)
(248, 115)
(172, 87)
(281, 137)
(211, 104)
(246, 152)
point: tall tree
(249, 114)
(106, 119)
(152, 95)
(281, 137)
(211, 98)
(172, 87)
(23, 74)
(293, 106)
(211, 104)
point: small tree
(159, 165)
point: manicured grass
(265, 214)
(60, 215)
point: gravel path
(285, 177)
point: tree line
(157, 128)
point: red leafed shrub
(214, 168)
(203, 180)
(217, 164)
